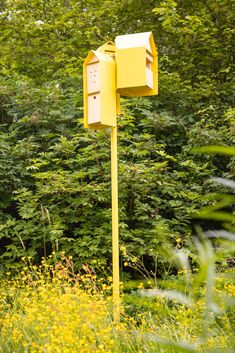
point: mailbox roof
(97, 54)
(144, 39)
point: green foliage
(196, 306)
(55, 176)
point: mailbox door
(108, 93)
(131, 65)
(94, 113)
(93, 77)
(136, 72)
(93, 92)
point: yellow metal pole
(115, 237)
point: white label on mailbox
(94, 108)
(93, 78)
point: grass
(52, 309)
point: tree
(55, 176)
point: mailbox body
(100, 101)
(136, 65)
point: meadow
(55, 309)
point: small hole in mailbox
(94, 97)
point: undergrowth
(50, 308)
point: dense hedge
(55, 175)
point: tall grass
(52, 309)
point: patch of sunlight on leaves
(225, 150)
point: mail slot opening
(148, 64)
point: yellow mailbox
(136, 65)
(99, 86)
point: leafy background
(55, 175)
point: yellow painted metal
(99, 85)
(118, 103)
(115, 235)
(136, 65)
(109, 48)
